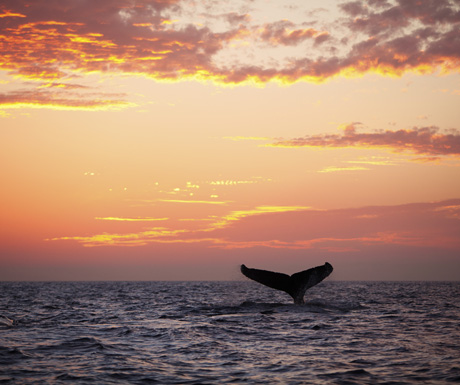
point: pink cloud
(44, 98)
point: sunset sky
(178, 139)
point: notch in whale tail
(295, 285)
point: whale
(295, 285)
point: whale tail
(295, 285)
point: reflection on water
(223, 332)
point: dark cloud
(377, 17)
(236, 18)
(423, 141)
(354, 8)
(284, 32)
(48, 39)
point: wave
(82, 345)
(228, 333)
(5, 321)
(9, 356)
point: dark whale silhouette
(295, 285)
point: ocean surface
(229, 333)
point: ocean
(229, 333)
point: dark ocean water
(229, 332)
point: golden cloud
(42, 41)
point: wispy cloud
(374, 161)
(433, 225)
(177, 235)
(341, 169)
(157, 234)
(430, 141)
(193, 201)
(7, 13)
(412, 225)
(237, 215)
(60, 100)
(138, 219)
(255, 138)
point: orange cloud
(11, 14)
(119, 219)
(194, 201)
(169, 235)
(157, 234)
(413, 227)
(424, 140)
(421, 225)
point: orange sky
(175, 140)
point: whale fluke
(295, 285)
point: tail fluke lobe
(271, 279)
(306, 279)
(295, 285)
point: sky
(179, 139)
